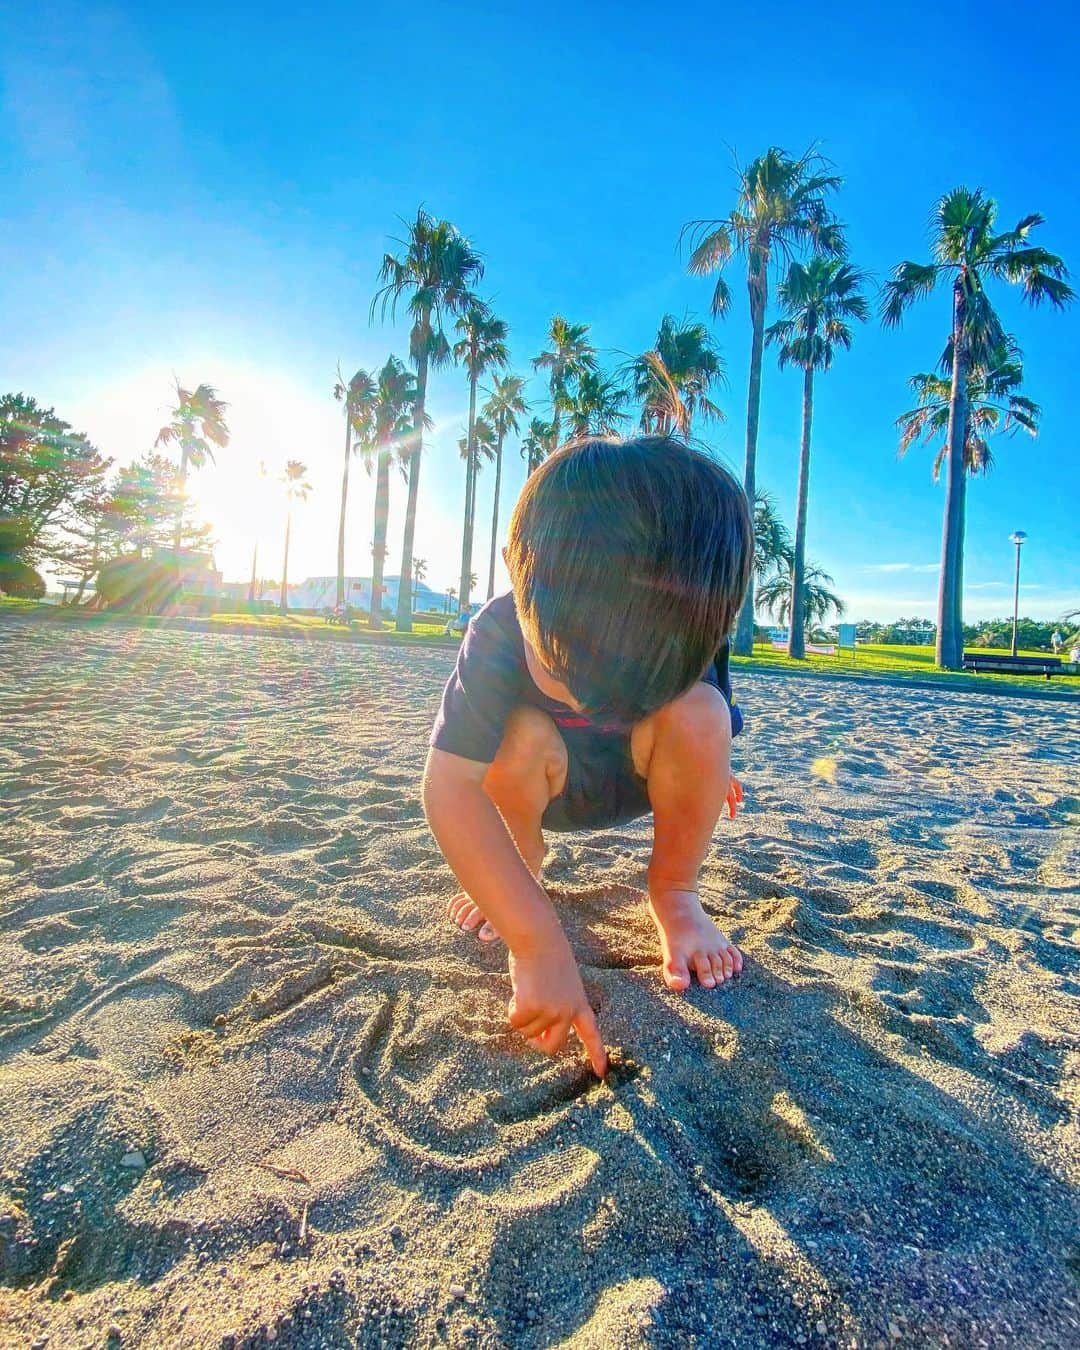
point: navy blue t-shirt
(491, 678)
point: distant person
(458, 624)
(596, 692)
(1056, 641)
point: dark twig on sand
(287, 1173)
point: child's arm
(549, 997)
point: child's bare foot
(469, 918)
(690, 942)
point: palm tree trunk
(472, 503)
(470, 493)
(283, 601)
(254, 568)
(554, 417)
(378, 546)
(344, 500)
(180, 499)
(404, 605)
(495, 519)
(758, 285)
(950, 637)
(797, 628)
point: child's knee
(701, 711)
(694, 728)
(531, 745)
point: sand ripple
(223, 947)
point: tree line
(63, 501)
(783, 227)
(1032, 634)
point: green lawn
(277, 623)
(897, 662)
(870, 661)
(284, 625)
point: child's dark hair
(629, 560)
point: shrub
(19, 579)
(136, 583)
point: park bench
(1012, 665)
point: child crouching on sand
(596, 692)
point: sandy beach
(255, 1089)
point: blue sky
(209, 190)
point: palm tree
(391, 430)
(437, 272)
(196, 424)
(539, 443)
(672, 381)
(481, 348)
(775, 595)
(571, 356)
(818, 298)
(780, 209)
(968, 252)
(596, 406)
(772, 540)
(357, 396)
(297, 489)
(504, 406)
(994, 404)
(483, 446)
(419, 572)
(254, 585)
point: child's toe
(703, 967)
(676, 974)
(720, 968)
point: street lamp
(1017, 537)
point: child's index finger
(588, 1030)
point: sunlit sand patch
(801, 1279)
(824, 768)
(795, 1123)
(325, 1156)
(622, 1311)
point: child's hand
(549, 999)
(734, 796)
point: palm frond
(994, 405)
(910, 281)
(817, 298)
(713, 247)
(1040, 286)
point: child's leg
(528, 771)
(683, 751)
